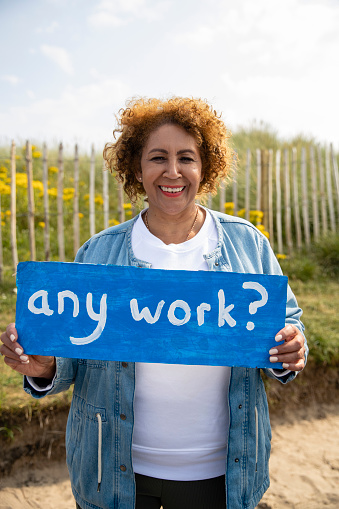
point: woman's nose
(172, 169)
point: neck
(174, 229)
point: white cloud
(10, 78)
(60, 56)
(117, 13)
(84, 114)
(49, 29)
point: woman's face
(171, 169)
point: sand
(304, 469)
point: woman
(146, 435)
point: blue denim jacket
(100, 424)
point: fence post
(30, 196)
(247, 185)
(91, 193)
(13, 208)
(270, 197)
(222, 196)
(329, 190)
(296, 209)
(258, 203)
(1, 249)
(264, 188)
(47, 246)
(306, 220)
(60, 204)
(121, 209)
(278, 199)
(105, 194)
(315, 210)
(322, 192)
(287, 202)
(76, 219)
(336, 176)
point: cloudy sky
(67, 66)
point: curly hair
(142, 116)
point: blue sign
(109, 312)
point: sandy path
(304, 471)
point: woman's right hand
(30, 365)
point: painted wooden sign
(109, 312)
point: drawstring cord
(98, 416)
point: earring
(140, 179)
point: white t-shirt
(181, 412)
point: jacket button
(236, 460)
(124, 364)
(123, 417)
(123, 468)
(240, 407)
(216, 263)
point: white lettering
(70, 295)
(145, 312)
(184, 306)
(224, 313)
(44, 303)
(201, 312)
(100, 318)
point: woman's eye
(158, 158)
(187, 159)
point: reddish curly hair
(142, 116)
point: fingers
(291, 353)
(10, 348)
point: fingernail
(273, 359)
(25, 362)
(18, 351)
(273, 351)
(286, 366)
(12, 338)
(278, 337)
(24, 358)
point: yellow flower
(8, 213)
(113, 222)
(53, 192)
(86, 196)
(36, 154)
(37, 184)
(127, 206)
(68, 193)
(128, 213)
(256, 215)
(3, 223)
(42, 224)
(281, 256)
(80, 214)
(229, 208)
(241, 213)
(53, 169)
(261, 228)
(98, 199)
(4, 188)
(21, 180)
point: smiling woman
(145, 435)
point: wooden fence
(296, 191)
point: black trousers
(152, 493)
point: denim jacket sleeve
(65, 374)
(293, 311)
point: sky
(68, 66)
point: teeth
(172, 189)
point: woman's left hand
(292, 352)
